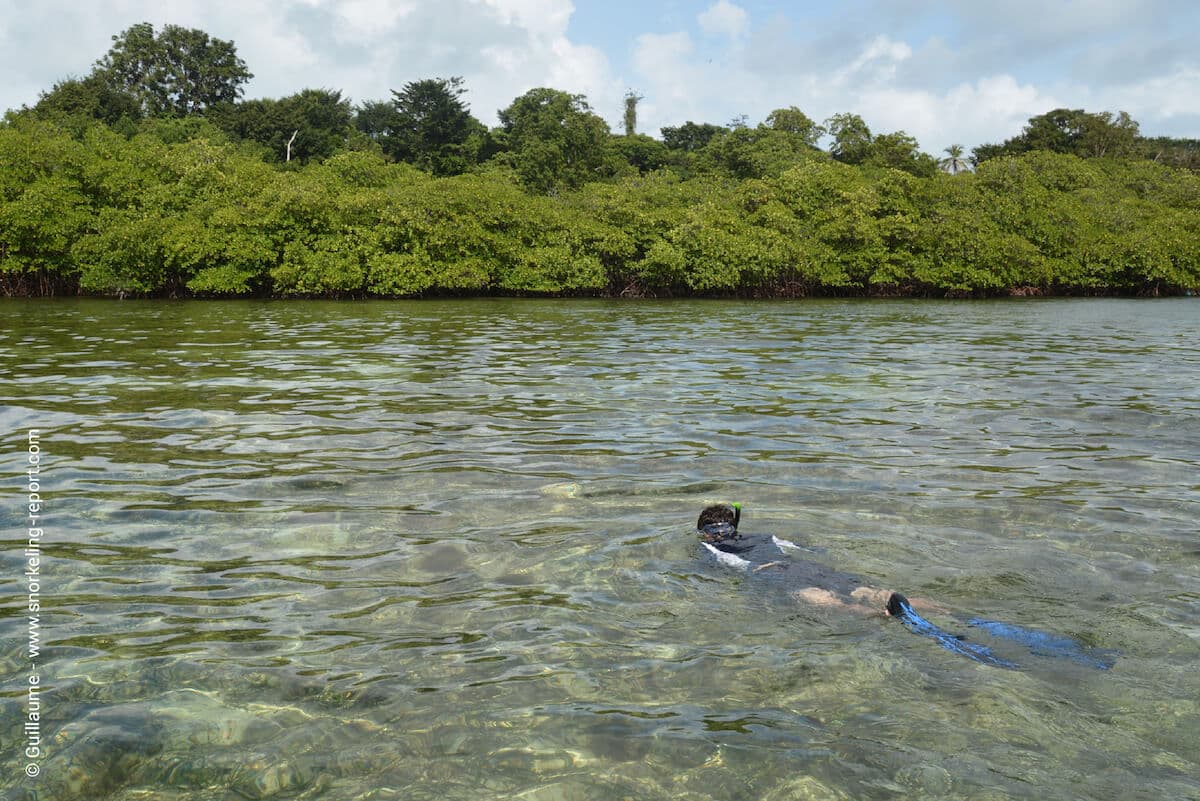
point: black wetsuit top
(768, 561)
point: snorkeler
(813, 582)
(823, 586)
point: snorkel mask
(718, 523)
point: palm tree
(953, 163)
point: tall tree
(176, 72)
(900, 151)
(432, 127)
(690, 136)
(990, 150)
(754, 152)
(89, 98)
(323, 121)
(1074, 131)
(315, 121)
(631, 103)
(1058, 130)
(851, 138)
(794, 121)
(377, 119)
(555, 139)
(641, 151)
(1106, 134)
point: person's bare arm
(868, 600)
(819, 597)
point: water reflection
(442, 550)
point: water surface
(444, 550)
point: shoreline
(756, 294)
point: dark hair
(718, 513)
(719, 522)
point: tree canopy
(851, 138)
(690, 136)
(177, 71)
(1089, 135)
(794, 121)
(432, 127)
(311, 124)
(555, 140)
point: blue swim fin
(899, 608)
(1041, 643)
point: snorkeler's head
(719, 523)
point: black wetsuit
(768, 560)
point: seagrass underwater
(448, 549)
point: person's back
(770, 557)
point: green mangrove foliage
(151, 177)
(162, 213)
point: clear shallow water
(444, 550)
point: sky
(950, 72)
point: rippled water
(445, 550)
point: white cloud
(365, 48)
(1024, 20)
(547, 19)
(361, 21)
(534, 50)
(927, 87)
(724, 19)
(1176, 93)
(680, 82)
(946, 72)
(967, 114)
(877, 62)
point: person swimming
(817, 584)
